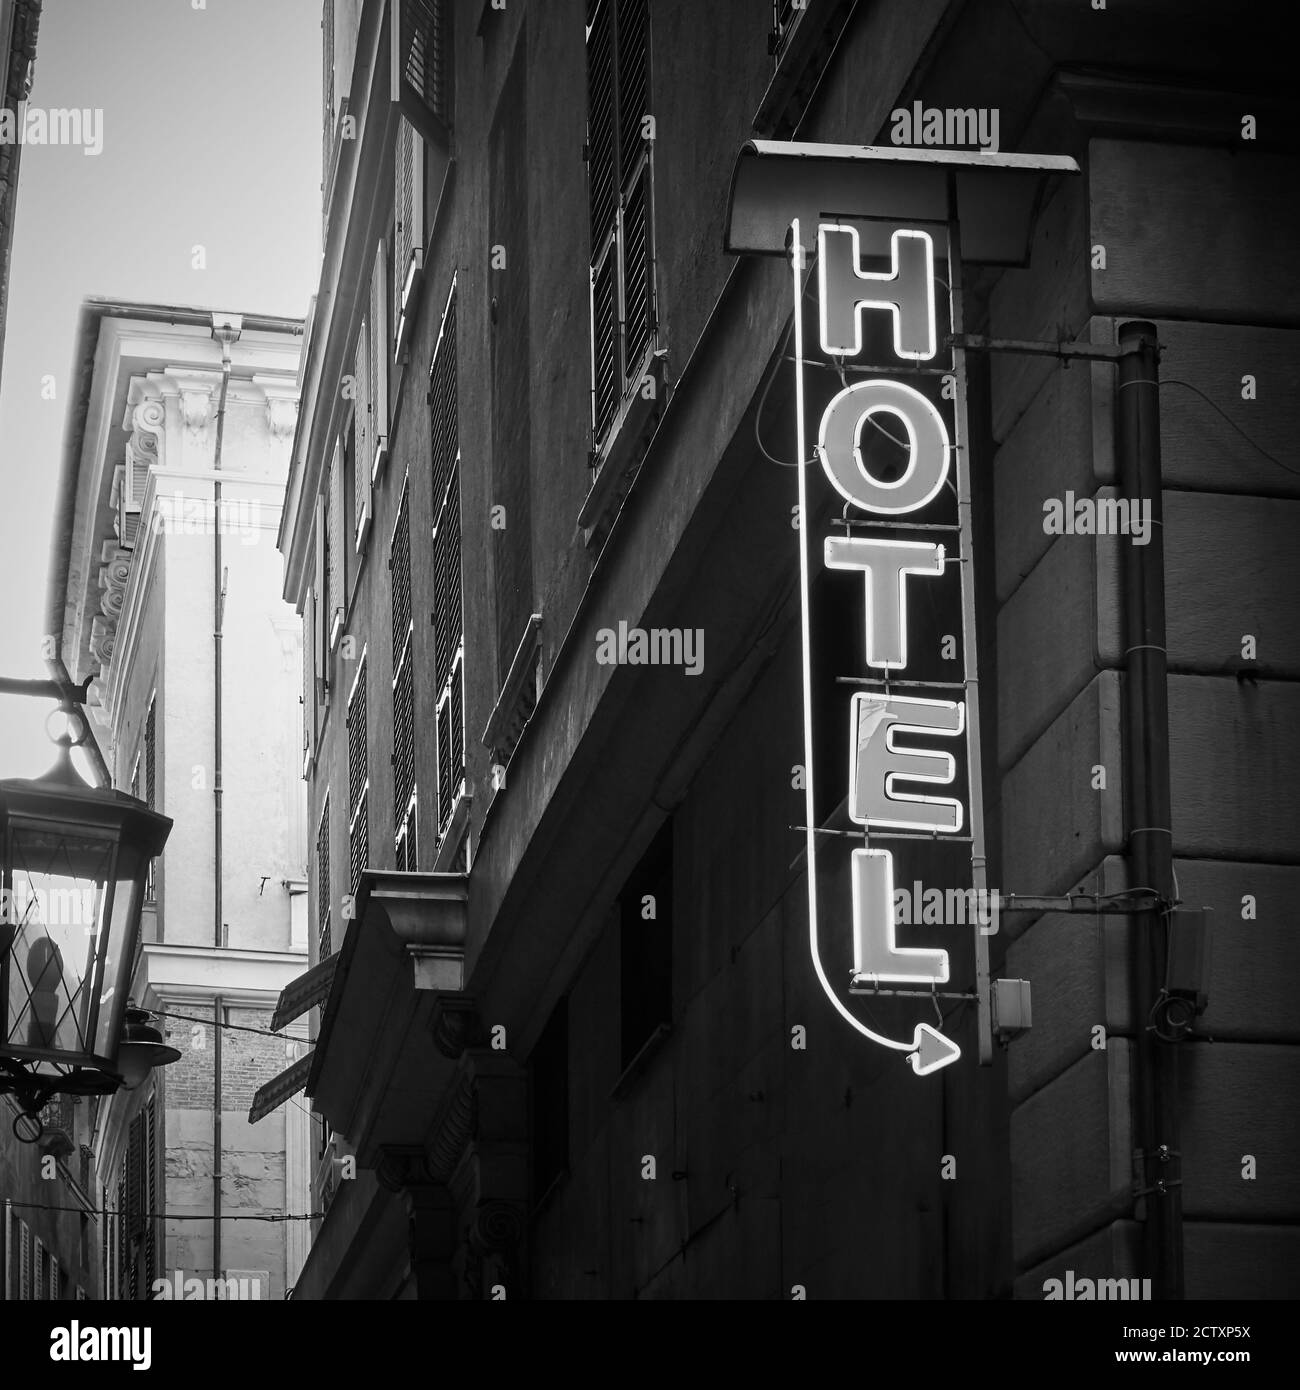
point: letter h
(906, 290)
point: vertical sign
(897, 902)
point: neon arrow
(929, 1049)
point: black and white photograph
(650, 651)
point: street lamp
(74, 860)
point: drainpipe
(225, 336)
(1158, 1157)
(226, 333)
(219, 1018)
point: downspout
(1156, 1120)
(225, 335)
(218, 1011)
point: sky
(209, 113)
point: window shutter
(448, 621)
(403, 674)
(335, 620)
(55, 1291)
(308, 679)
(362, 418)
(421, 57)
(150, 754)
(378, 363)
(321, 606)
(323, 881)
(408, 228)
(358, 778)
(619, 178)
(149, 1191)
(24, 1261)
(602, 157)
(632, 42)
(38, 1271)
(327, 87)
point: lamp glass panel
(59, 890)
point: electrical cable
(173, 1216)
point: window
(619, 173)
(448, 619)
(358, 779)
(404, 792)
(323, 882)
(646, 946)
(548, 1070)
(408, 232)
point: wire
(771, 376)
(171, 1216)
(1196, 390)
(235, 1027)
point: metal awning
(304, 993)
(276, 1091)
(994, 196)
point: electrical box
(1012, 1014)
(1187, 963)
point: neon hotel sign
(899, 788)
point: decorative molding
(196, 405)
(455, 1025)
(401, 1166)
(281, 417)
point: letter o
(839, 447)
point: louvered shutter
(136, 477)
(149, 1190)
(634, 179)
(408, 227)
(358, 777)
(327, 89)
(447, 583)
(151, 754)
(55, 1291)
(403, 673)
(308, 679)
(602, 175)
(336, 571)
(421, 53)
(362, 417)
(620, 185)
(323, 888)
(378, 364)
(24, 1262)
(321, 606)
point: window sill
(639, 1063)
(513, 710)
(623, 449)
(454, 836)
(801, 60)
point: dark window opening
(548, 1068)
(646, 946)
